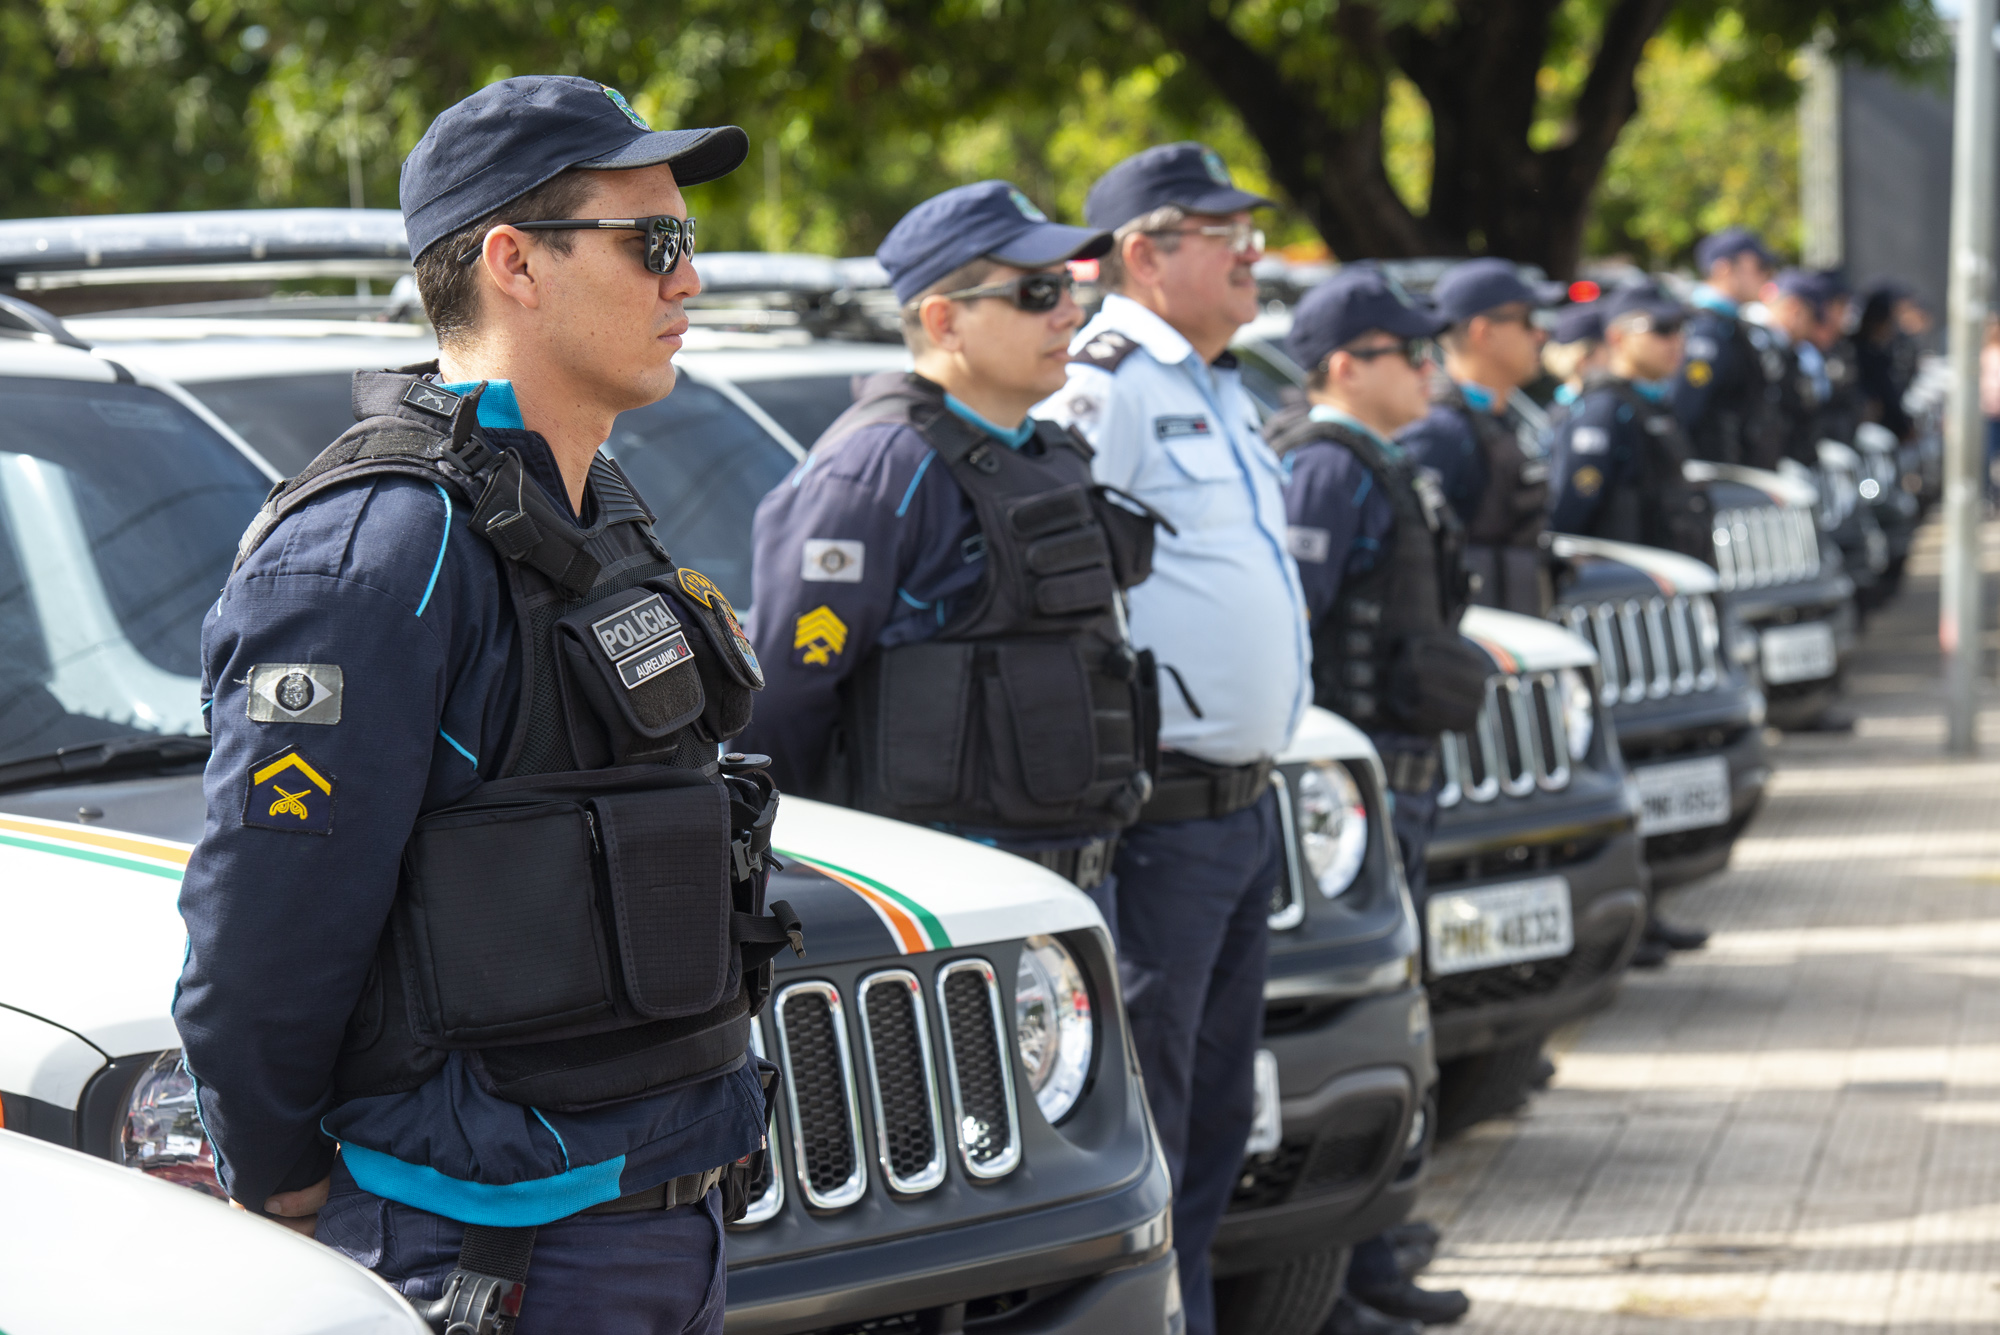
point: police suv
(906, 1181)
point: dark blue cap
(1806, 285)
(1644, 298)
(991, 220)
(511, 136)
(1582, 322)
(1478, 286)
(1727, 244)
(1835, 284)
(1360, 299)
(1188, 174)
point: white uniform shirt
(1223, 606)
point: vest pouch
(667, 876)
(628, 679)
(914, 711)
(1439, 682)
(1131, 537)
(1040, 733)
(726, 661)
(499, 930)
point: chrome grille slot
(902, 1081)
(767, 1192)
(1650, 648)
(978, 1068)
(819, 1094)
(1288, 897)
(1758, 546)
(1518, 746)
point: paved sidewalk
(1799, 1128)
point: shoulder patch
(1311, 545)
(821, 634)
(699, 587)
(288, 792)
(1106, 350)
(1586, 480)
(1589, 440)
(295, 692)
(1699, 373)
(1701, 347)
(833, 561)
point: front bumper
(1829, 598)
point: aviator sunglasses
(1034, 293)
(667, 237)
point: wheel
(1492, 1084)
(1294, 1297)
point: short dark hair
(450, 289)
(964, 276)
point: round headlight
(162, 1134)
(1333, 825)
(1052, 1025)
(1579, 710)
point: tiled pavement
(1797, 1129)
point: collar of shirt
(497, 406)
(1322, 412)
(1709, 299)
(1566, 394)
(1014, 439)
(1479, 396)
(1654, 391)
(1149, 331)
(499, 410)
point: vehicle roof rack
(39, 254)
(819, 294)
(23, 319)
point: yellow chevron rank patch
(287, 792)
(821, 634)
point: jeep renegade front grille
(905, 1123)
(1650, 648)
(1518, 746)
(1762, 545)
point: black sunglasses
(1034, 293)
(1415, 351)
(667, 237)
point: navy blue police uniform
(363, 671)
(1723, 395)
(875, 544)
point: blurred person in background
(1835, 339)
(1575, 352)
(1723, 395)
(1886, 355)
(1793, 311)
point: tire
(1294, 1297)
(1492, 1084)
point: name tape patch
(289, 793)
(647, 664)
(295, 692)
(634, 628)
(833, 561)
(1170, 428)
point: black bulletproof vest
(1416, 591)
(589, 926)
(1029, 710)
(1660, 508)
(1504, 538)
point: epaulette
(1106, 350)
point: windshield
(287, 419)
(804, 405)
(119, 515)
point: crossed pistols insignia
(287, 792)
(821, 634)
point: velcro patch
(295, 692)
(289, 793)
(822, 634)
(1700, 346)
(1308, 544)
(429, 398)
(642, 640)
(833, 561)
(1589, 440)
(1170, 428)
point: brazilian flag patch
(288, 792)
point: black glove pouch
(750, 1177)
(1439, 682)
(1130, 532)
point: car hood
(95, 941)
(1324, 735)
(1524, 644)
(1671, 571)
(1780, 488)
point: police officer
(939, 578)
(1380, 555)
(1487, 453)
(1153, 388)
(1574, 352)
(1790, 320)
(1723, 396)
(1835, 340)
(395, 1000)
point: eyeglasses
(1415, 351)
(1663, 328)
(667, 237)
(1034, 293)
(1244, 238)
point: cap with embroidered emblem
(1188, 174)
(512, 136)
(990, 220)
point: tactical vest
(589, 925)
(1029, 710)
(1387, 654)
(1661, 508)
(1505, 543)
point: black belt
(1190, 789)
(1411, 771)
(482, 1296)
(1084, 867)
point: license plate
(1502, 924)
(1798, 653)
(1684, 795)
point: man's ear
(512, 263)
(1141, 257)
(939, 317)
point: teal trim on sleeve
(912, 599)
(443, 542)
(557, 1134)
(910, 495)
(497, 406)
(456, 747)
(513, 1205)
